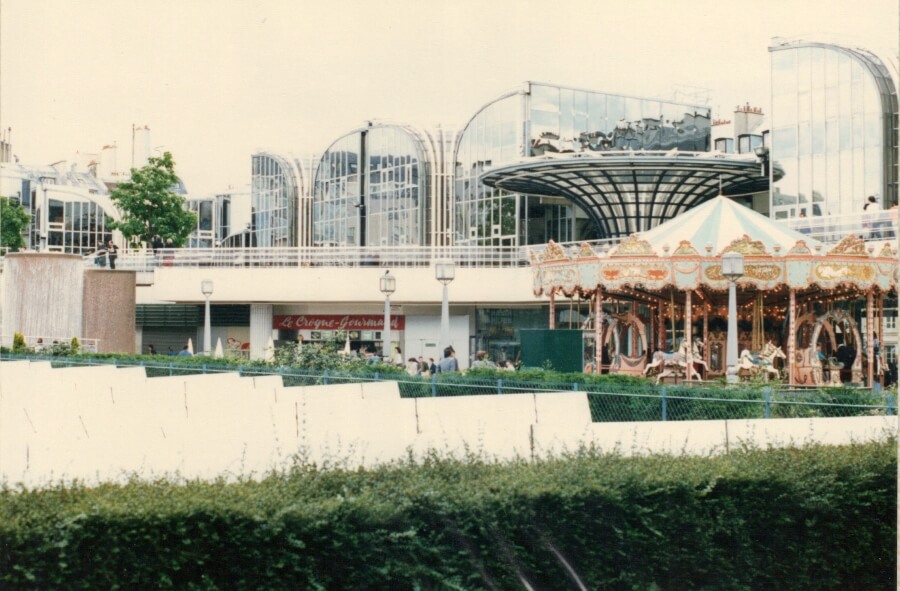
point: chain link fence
(608, 402)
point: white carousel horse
(690, 360)
(762, 362)
(667, 364)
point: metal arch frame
(544, 177)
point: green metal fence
(608, 403)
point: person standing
(111, 253)
(871, 219)
(449, 362)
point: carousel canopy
(717, 223)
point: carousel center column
(688, 350)
(552, 308)
(792, 336)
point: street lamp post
(206, 286)
(732, 269)
(387, 284)
(44, 222)
(445, 272)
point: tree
(149, 206)
(13, 221)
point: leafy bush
(790, 519)
(19, 345)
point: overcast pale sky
(216, 80)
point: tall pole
(44, 221)
(792, 336)
(552, 308)
(598, 330)
(870, 335)
(207, 329)
(387, 284)
(206, 287)
(445, 316)
(688, 327)
(731, 356)
(386, 334)
(445, 272)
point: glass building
(378, 186)
(541, 120)
(834, 129)
(77, 203)
(276, 185)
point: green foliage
(19, 345)
(327, 355)
(14, 220)
(74, 346)
(149, 206)
(816, 517)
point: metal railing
(319, 256)
(41, 342)
(876, 227)
(607, 402)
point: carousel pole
(792, 338)
(706, 337)
(661, 324)
(870, 332)
(689, 352)
(552, 308)
(598, 329)
(881, 332)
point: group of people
(108, 254)
(449, 363)
(420, 367)
(185, 351)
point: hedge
(808, 518)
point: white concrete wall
(108, 424)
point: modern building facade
(380, 185)
(540, 163)
(834, 129)
(70, 209)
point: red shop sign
(336, 322)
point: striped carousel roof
(718, 223)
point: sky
(217, 80)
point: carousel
(657, 304)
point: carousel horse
(694, 357)
(763, 362)
(666, 364)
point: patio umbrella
(190, 346)
(218, 352)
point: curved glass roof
(626, 192)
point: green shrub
(19, 345)
(815, 517)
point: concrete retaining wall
(108, 424)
